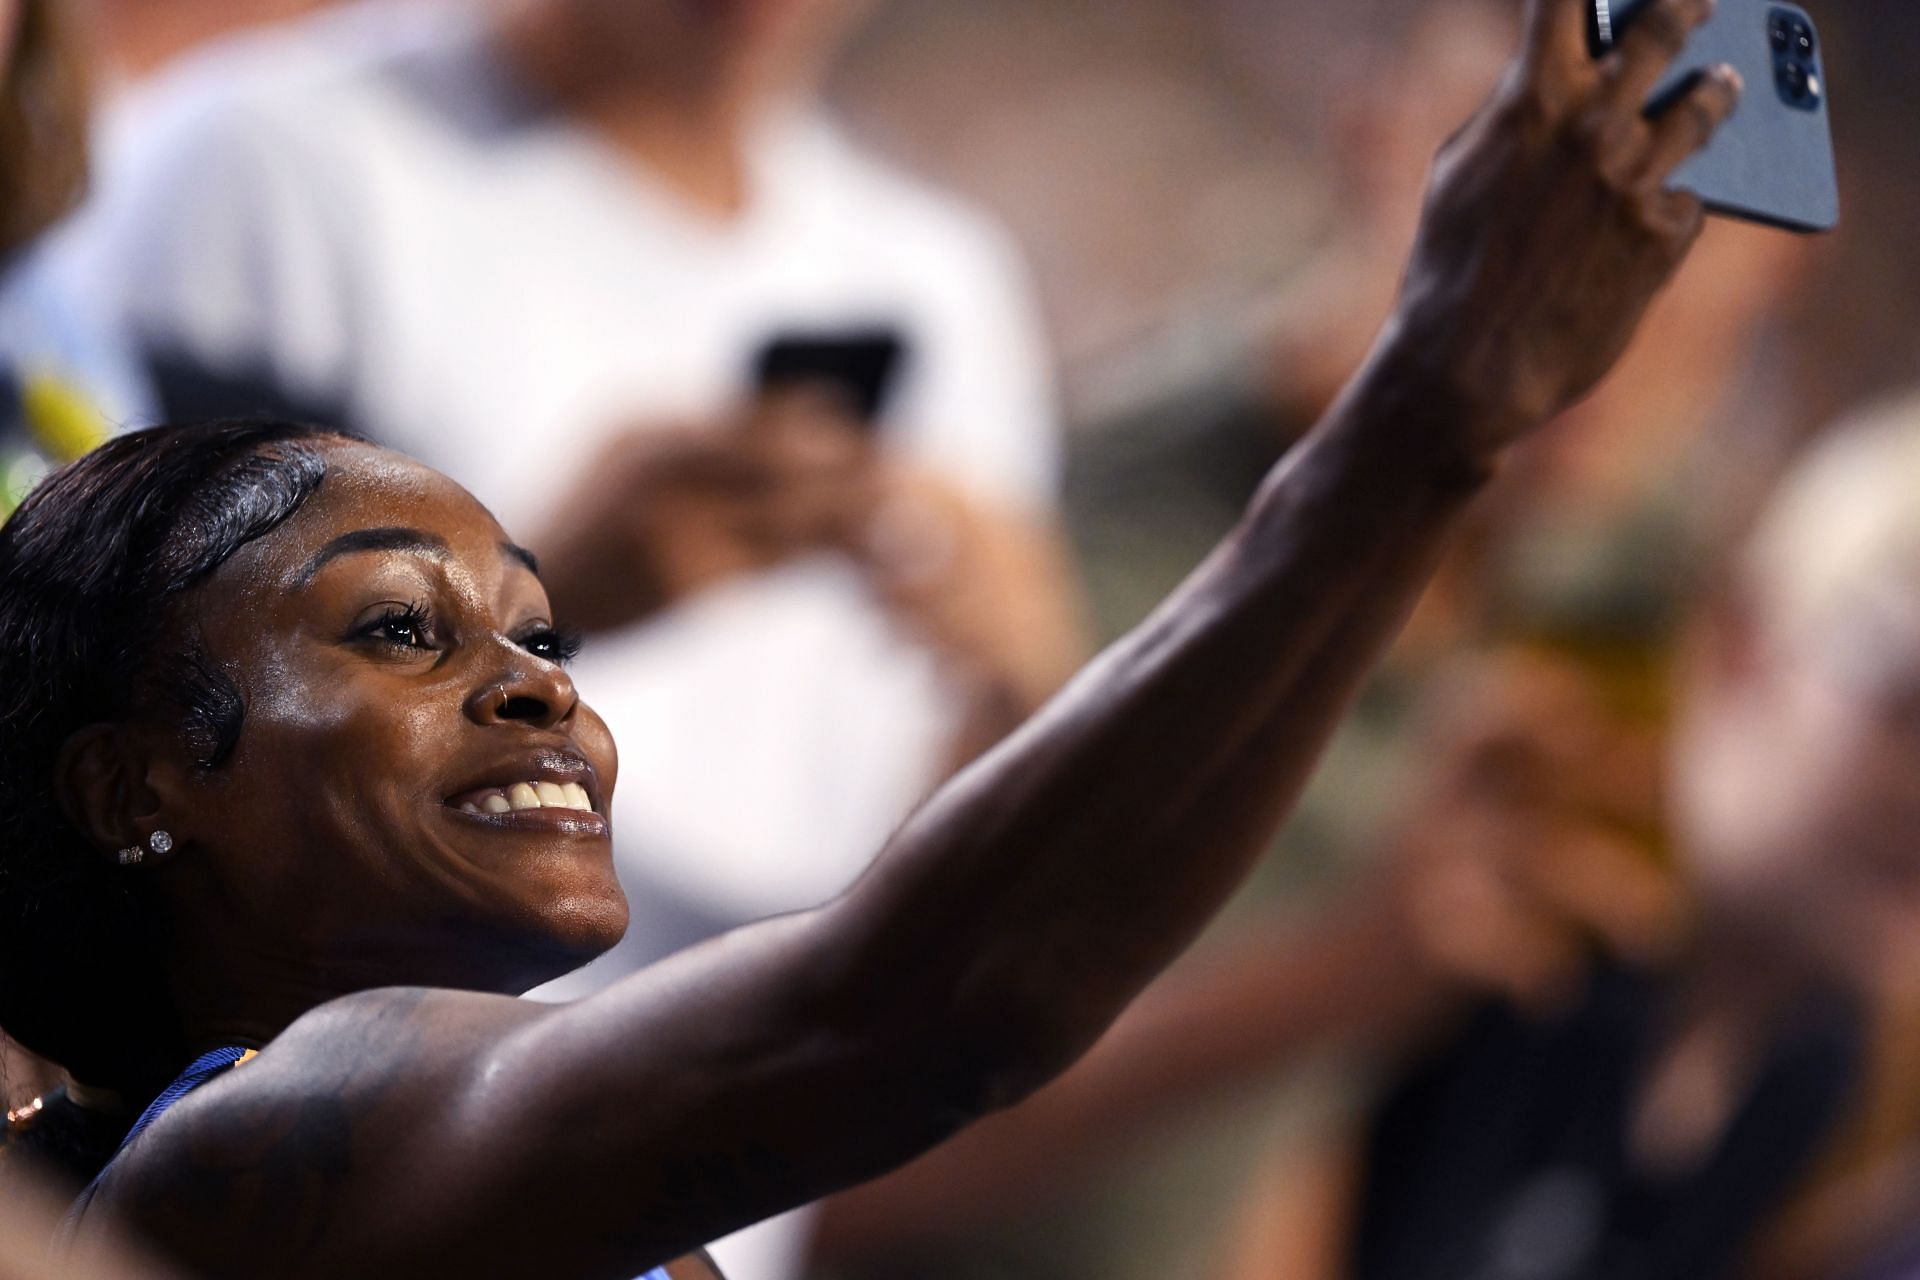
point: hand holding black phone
(860, 366)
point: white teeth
(570, 796)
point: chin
(562, 928)
(583, 920)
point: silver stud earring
(160, 843)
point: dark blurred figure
(1747, 1106)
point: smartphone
(861, 366)
(1772, 161)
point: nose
(530, 692)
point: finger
(1656, 38)
(1557, 34)
(1690, 123)
(810, 407)
(1678, 216)
(727, 470)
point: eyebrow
(386, 539)
(514, 551)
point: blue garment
(208, 1066)
(204, 1068)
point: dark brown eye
(402, 626)
(558, 645)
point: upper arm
(398, 1133)
(253, 1168)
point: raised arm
(1015, 916)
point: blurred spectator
(138, 37)
(540, 246)
(42, 170)
(1592, 575)
(1748, 1107)
(28, 1216)
(1467, 903)
(42, 125)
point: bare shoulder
(327, 1126)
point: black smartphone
(861, 366)
(1772, 161)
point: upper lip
(548, 765)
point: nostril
(523, 708)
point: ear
(100, 780)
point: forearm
(1009, 923)
(1041, 890)
(1226, 1018)
(1019, 640)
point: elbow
(1000, 1051)
(972, 1029)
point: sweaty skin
(408, 1118)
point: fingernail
(1731, 74)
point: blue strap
(204, 1068)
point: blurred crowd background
(1575, 816)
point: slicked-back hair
(94, 569)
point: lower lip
(568, 822)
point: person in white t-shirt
(538, 246)
(137, 37)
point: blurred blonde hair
(1842, 533)
(43, 123)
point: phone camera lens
(1803, 39)
(1781, 35)
(1799, 83)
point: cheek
(333, 772)
(596, 742)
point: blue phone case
(1772, 161)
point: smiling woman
(292, 775)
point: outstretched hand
(1549, 226)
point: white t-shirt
(363, 210)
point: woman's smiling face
(416, 794)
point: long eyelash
(416, 615)
(563, 642)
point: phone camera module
(1795, 75)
